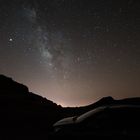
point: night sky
(72, 52)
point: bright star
(10, 39)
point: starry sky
(72, 52)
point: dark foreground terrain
(25, 115)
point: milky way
(72, 51)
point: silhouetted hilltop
(11, 89)
(75, 111)
(7, 84)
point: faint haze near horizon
(72, 52)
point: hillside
(23, 112)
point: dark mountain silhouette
(26, 115)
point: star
(10, 39)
